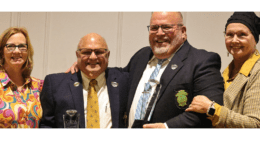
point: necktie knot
(93, 82)
(160, 61)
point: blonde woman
(19, 92)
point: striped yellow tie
(92, 106)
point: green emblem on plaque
(182, 97)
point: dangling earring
(227, 54)
(27, 66)
(256, 52)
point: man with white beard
(182, 70)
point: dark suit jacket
(59, 94)
(197, 72)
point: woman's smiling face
(239, 41)
(15, 58)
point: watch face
(211, 111)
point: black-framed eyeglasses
(88, 52)
(165, 27)
(12, 47)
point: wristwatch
(211, 109)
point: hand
(199, 104)
(73, 69)
(155, 125)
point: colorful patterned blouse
(20, 109)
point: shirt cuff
(166, 125)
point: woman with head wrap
(19, 92)
(241, 78)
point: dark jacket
(59, 94)
(197, 73)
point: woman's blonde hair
(28, 65)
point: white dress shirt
(103, 100)
(140, 88)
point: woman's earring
(227, 54)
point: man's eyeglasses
(12, 47)
(88, 52)
(165, 27)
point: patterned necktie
(92, 106)
(140, 110)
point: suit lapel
(113, 94)
(174, 66)
(77, 95)
(234, 90)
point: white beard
(161, 50)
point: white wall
(55, 35)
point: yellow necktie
(92, 106)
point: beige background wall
(55, 35)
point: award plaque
(150, 108)
(71, 119)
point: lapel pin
(114, 84)
(76, 84)
(174, 66)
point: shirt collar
(4, 79)
(101, 80)
(246, 67)
(168, 59)
(249, 64)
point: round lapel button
(114, 84)
(174, 66)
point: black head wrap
(249, 19)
